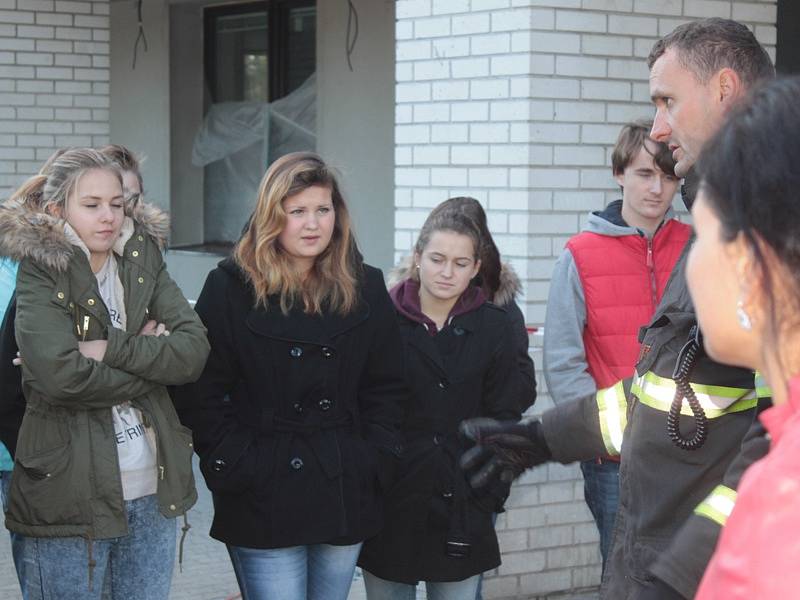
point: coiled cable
(683, 369)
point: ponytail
(29, 193)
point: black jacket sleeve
(12, 400)
(522, 360)
(683, 563)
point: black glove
(503, 449)
(658, 590)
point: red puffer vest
(623, 279)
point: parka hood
(509, 289)
(41, 237)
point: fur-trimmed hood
(41, 237)
(510, 285)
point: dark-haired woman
(743, 274)
(303, 391)
(500, 285)
(459, 365)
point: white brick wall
(54, 80)
(549, 84)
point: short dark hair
(704, 47)
(750, 179)
(635, 135)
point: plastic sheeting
(237, 141)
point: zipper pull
(85, 327)
(161, 472)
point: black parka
(293, 414)
(466, 370)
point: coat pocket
(231, 467)
(44, 490)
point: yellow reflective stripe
(718, 505)
(762, 387)
(658, 392)
(699, 388)
(613, 416)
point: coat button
(458, 330)
(325, 404)
(296, 352)
(327, 352)
(437, 439)
(219, 465)
(447, 495)
(172, 507)
(60, 295)
(296, 463)
(135, 253)
(298, 408)
(442, 384)
(141, 280)
(140, 238)
(90, 302)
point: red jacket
(758, 555)
(623, 279)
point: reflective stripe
(762, 387)
(718, 505)
(613, 416)
(716, 400)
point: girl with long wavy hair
(296, 413)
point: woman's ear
(54, 210)
(748, 272)
(476, 269)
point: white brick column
(534, 147)
(54, 79)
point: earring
(744, 319)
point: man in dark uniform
(683, 425)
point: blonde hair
(30, 192)
(331, 283)
(126, 160)
(59, 176)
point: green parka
(66, 479)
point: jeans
(601, 490)
(381, 589)
(17, 541)
(138, 565)
(315, 572)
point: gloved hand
(503, 449)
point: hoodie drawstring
(184, 530)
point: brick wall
(517, 102)
(54, 79)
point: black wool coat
(294, 415)
(466, 370)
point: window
(258, 102)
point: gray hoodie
(565, 367)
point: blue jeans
(315, 572)
(381, 589)
(138, 565)
(17, 541)
(601, 490)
